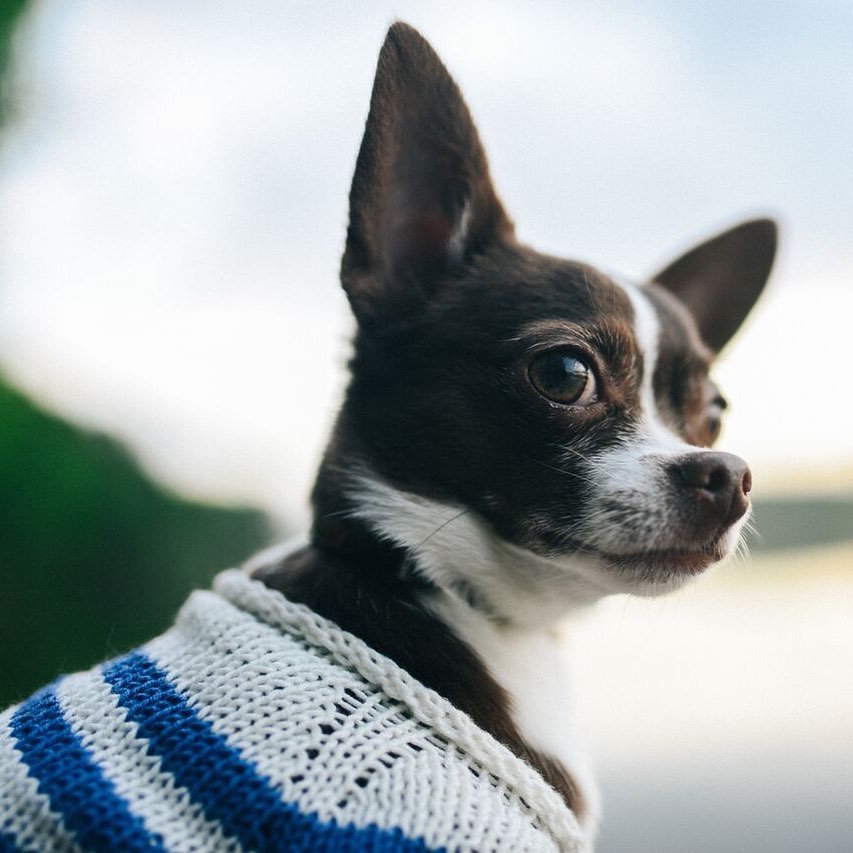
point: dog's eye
(714, 420)
(563, 378)
(712, 429)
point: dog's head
(507, 401)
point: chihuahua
(521, 436)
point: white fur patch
(533, 667)
(628, 511)
(647, 331)
(521, 649)
(451, 545)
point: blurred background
(173, 183)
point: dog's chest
(533, 669)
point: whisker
(442, 526)
(341, 513)
(577, 453)
(563, 471)
(741, 551)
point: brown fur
(451, 309)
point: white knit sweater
(256, 724)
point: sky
(173, 206)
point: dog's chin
(680, 562)
(657, 572)
(654, 571)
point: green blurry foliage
(94, 557)
(10, 12)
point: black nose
(721, 482)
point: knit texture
(255, 724)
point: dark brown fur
(451, 309)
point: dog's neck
(459, 556)
(428, 585)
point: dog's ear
(421, 198)
(720, 280)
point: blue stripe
(7, 843)
(229, 788)
(77, 789)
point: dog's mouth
(682, 561)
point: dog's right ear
(422, 200)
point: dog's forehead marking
(647, 331)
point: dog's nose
(720, 481)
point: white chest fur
(450, 546)
(532, 666)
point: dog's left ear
(720, 280)
(421, 200)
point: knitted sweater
(255, 724)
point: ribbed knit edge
(543, 802)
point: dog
(522, 435)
